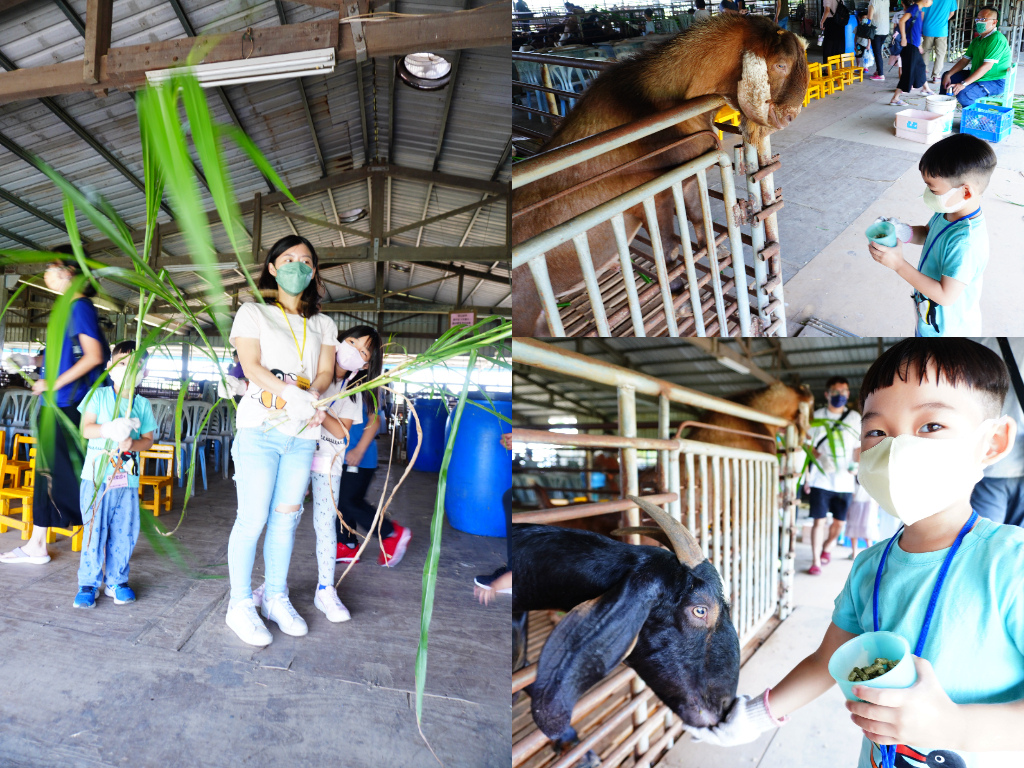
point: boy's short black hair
(126, 348)
(836, 380)
(960, 159)
(701, 4)
(961, 362)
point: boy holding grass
(947, 279)
(931, 424)
(109, 490)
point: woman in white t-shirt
(358, 358)
(286, 348)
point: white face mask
(916, 477)
(117, 374)
(940, 203)
(349, 357)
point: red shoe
(346, 554)
(814, 571)
(395, 546)
(826, 558)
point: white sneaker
(327, 600)
(280, 610)
(246, 624)
(257, 595)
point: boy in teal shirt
(947, 279)
(931, 423)
(109, 490)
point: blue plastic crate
(987, 121)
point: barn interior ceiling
(712, 366)
(403, 191)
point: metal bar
(664, 428)
(577, 511)
(539, 270)
(563, 61)
(757, 234)
(709, 234)
(662, 269)
(590, 280)
(485, 200)
(592, 442)
(362, 110)
(560, 360)
(687, 248)
(771, 228)
(691, 493)
(19, 239)
(560, 158)
(675, 508)
(626, 265)
(728, 510)
(735, 245)
(545, 241)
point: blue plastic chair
(193, 412)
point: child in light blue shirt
(931, 423)
(109, 491)
(947, 280)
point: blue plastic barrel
(851, 26)
(480, 470)
(433, 415)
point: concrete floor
(820, 733)
(842, 167)
(163, 681)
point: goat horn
(686, 547)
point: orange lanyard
(302, 349)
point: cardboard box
(923, 127)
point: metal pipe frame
(539, 354)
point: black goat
(663, 614)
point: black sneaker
(486, 581)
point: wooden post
(98, 16)
(3, 303)
(257, 227)
(458, 300)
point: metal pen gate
(736, 502)
(722, 295)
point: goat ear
(585, 646)
(754, 90)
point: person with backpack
(833, 24)
(830, 480)
(913, 74)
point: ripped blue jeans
(271, 477)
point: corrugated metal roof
(474, 141)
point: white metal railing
(736, 502)
(716, 299)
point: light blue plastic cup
(882, 233)
(862, 651)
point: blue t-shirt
(102, 404)
(936, 18)
(960, 251)
(84, 320)
(913, 25)
(976, 639)
(355, 435)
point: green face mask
(979, 27)
(293, 277)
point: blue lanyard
(924, 258)
(889, 750)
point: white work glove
(298, 403)
(904, 232)
(747, 719)
(119, 430)
(14, 363)
(235, 387)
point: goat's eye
(700, 612)
(782, 66)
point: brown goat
(760, 69)
(795, 404)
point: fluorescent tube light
(728, 362)
(285, 65)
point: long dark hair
(88, 290)
(309, 301)
(373, 369)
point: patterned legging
(324, 515)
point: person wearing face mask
(80, 362)
(948, 582)
(286, 348)
(355, 351)
(360, 466)
(118, 424)
(988, 56)
(831, 483)
(947, 280)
